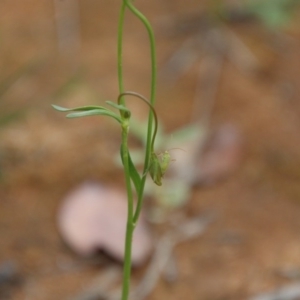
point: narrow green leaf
(81, 108)
(79, 114)
(134, 174)
(118, 106)
(103, 112)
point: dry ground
(255, 237)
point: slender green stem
(120, 48)
(141, 191)
(130, 225)
(152, 102)
(125, 158)
(140, 197)
(147, 25)
(144, 99)
(132, 218)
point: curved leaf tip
(59, 108)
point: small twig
(192, 228)
(239, 53)
(68, 28)
(164, 251)
(159, 261)
(182, 60)
(207, 86)
(100, 286)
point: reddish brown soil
(256, 233)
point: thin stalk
(125, 156)
(141, 191)
(147, 25)
(132, 219)
(130, 225)
(120, 49)
(145, 100)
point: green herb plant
(273, 14)
(154, 164)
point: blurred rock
(221, 154)
(93, 217)
(209, 157)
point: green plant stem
(130, 225)
(144, 99)
(147, 25)
(125, 158)
(132, 219)
(120, 50)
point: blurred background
(229, 82)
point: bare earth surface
(252, 245)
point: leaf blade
(103, 112)
(134, 174)
(80, 108)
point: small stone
(209, 157)
(93, 217)
(221, 155)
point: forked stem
(132, 218)
(145, 100)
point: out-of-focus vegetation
(274, 14)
